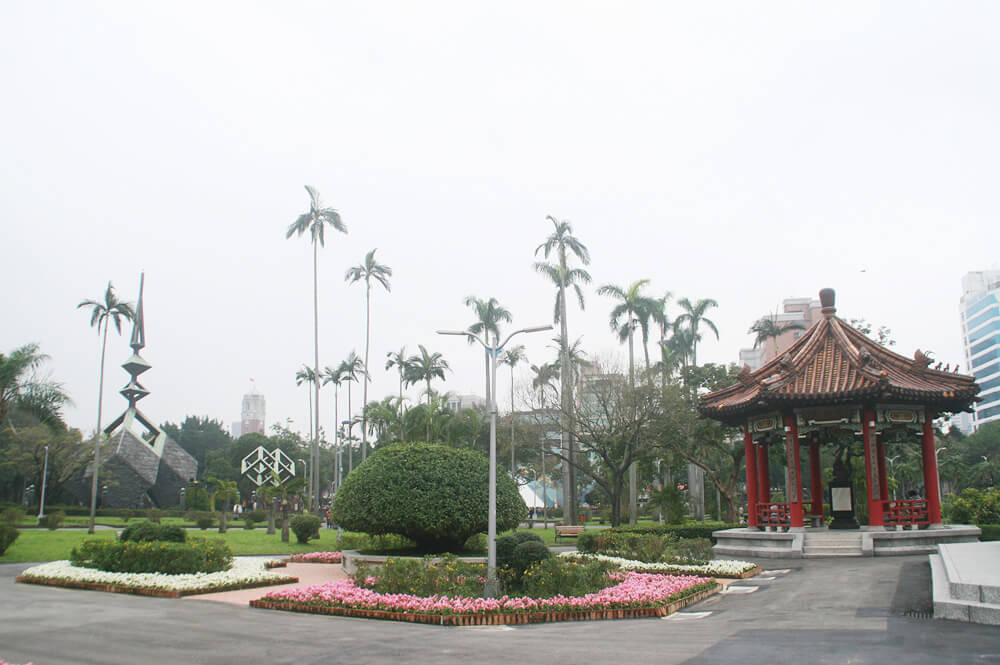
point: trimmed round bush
(507, 544)
(205, 521)
(145, 532)
(528, 554)
(8, 534)
(435, 495)
(305, 527)
(195, 556)
(249, 524)
(53, 520)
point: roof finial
(827, 298)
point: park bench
(567, 531)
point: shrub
(198, 555)
(12, 516)
(975, 506)
(305, 527)
(528, 554)
(990, 532)
(505, 550)
(249, 524)
(8, 534)
(146, 531)
(555, 576)
(691, 551)
(374, 544)
(444, 576)
(53, 520)
(153, 515)
(475, 543)
(205, 521)
(433, 494)
(127, 515)
(257, 515)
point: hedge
(198, 555)
(990, 532)
(680, 531)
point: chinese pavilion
(833, 385)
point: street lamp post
(345, 436)
(491, 536)
(892, 473)
(45, 475)
(306, 465)
(937, 452)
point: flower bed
(315, 557)
(721, 568)
(637, 595)
(244, 574)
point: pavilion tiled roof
(833, 363)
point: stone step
(946, 606)
(832, 550)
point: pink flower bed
(4, 662)
(636, 590)
(316, 557)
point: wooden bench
(567, 531)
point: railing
(905, 512)
(774, 514)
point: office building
(980, 306)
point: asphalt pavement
(816, 611)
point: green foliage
(127, 515)
(249, 524)
(8, 534)
(475, 543)
(53, 520)
(198, 555)
(257, 515)
(990, 532)
(146, 531)
(196, 497)
(585, 542)
(555, 576)
(431, 493)
(205, 521)
(974, 506)
(691, 551)
(647, 547)
(154, 515)
(374, 544)
(429, 576)
(305, 527)
(527, 554)
(12, 515)
(681, 531)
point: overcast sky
(745, 152)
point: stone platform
(966, 582)
(810, 542)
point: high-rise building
(804, 311)
(252, 414)
(980, 306)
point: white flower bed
(720, 568)
(243, 571)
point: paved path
(818, 612)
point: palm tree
(227, 491)
(369, 270)
(636, 309)
(350, 370)
(425, 367)
(315, 222)
(512, 357)
(545, 375)
(331, 375)
(114, 311)
(308, 376)
(694, 317)
(563, 243)
(398, 360)
(767, 327)
(489, 315)
(22, 390)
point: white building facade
(980, 306)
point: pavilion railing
(774, 514)
(905, 512)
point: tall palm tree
(21, 389)
(633, 309)
(545, 376)
(425, 367)
(350, 370)
(308, 376)
(315, 222)
(111, 310)
(332, 375)
(489, 315)
(768, 327)
(694, 316)
(369, 270)
(512, 357)
(658, 313)
(563, 244)
(397, 359)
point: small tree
(227, 492)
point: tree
(694, 316)
(114, 311)
(397, 359)
(315, 222)
(22, 389)
(226, 491)
(564, 244)
(432, 493)
(198, 436)
(768, 327)
(369, 270)
(23, 453)
(513, 357)
(489, 315)
(350, 370)
(425, 367)
(335, 376)
(307, 376)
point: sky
(742, 151)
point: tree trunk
(364, 390)
(314, 449)
(566, 390)
(97, 438)
(633, 469)
(428, 439)
(223, 516)
(270, 517)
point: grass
(37, 545)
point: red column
(794, 489)
(816, 476)
(931, 487)
(763, 474)
(871, 470)
(752, 479)
(883, 477)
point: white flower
(243, 571)
(722, 567)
